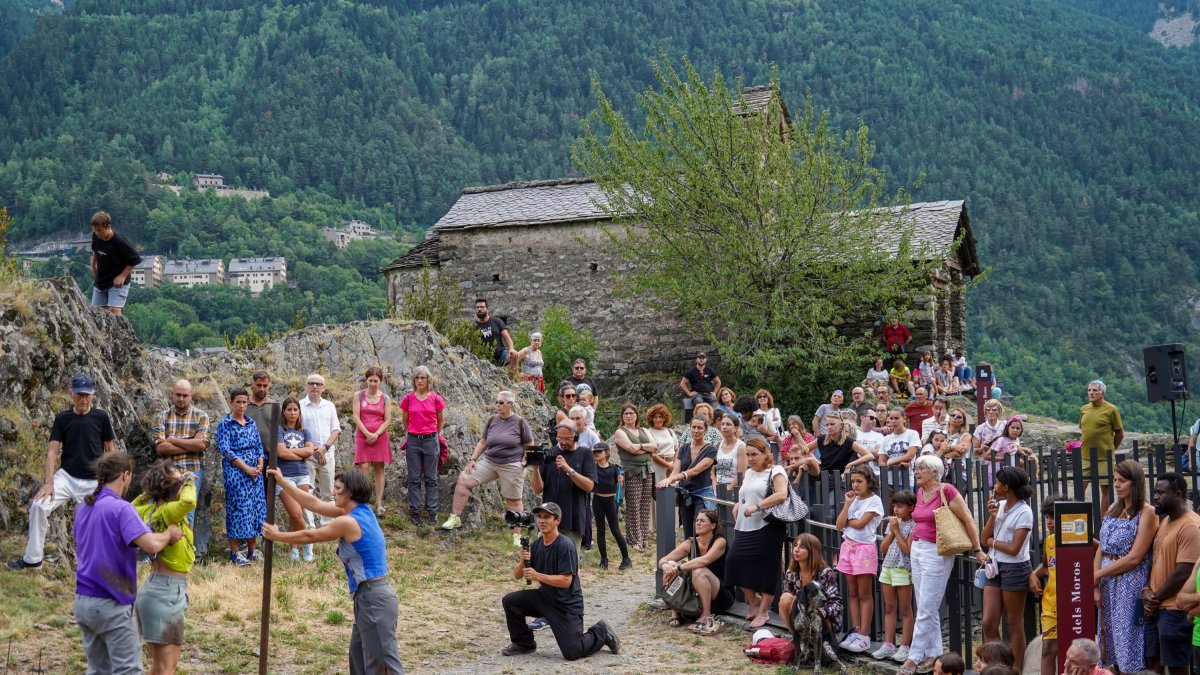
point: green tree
(760, 234)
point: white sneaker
(884, 652)
(306, 552)
(452, 523)
(294, 554)
(901, 654)
(516, 540)
(859, 645)
(848, 640)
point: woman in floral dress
(242, 465)
(1122, 568)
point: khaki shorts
(511, 477)
(1103, 462)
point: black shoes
(611, 639)
(515, 649)
(626, 563)
(603, 564)
(20, 564)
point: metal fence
(1060, 474)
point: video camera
(539, 455)
(524, 519)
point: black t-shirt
(83, 438)
(558, 488)
(606, 479)
(490, 331)
(836, 457)
(558, 558)
(585, 381)
(686, 462)
(112, 257)
(701, 383)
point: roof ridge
(516, 185)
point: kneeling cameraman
(553, 562)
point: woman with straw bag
(943, 528)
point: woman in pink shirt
(930, 571)
(421, 415)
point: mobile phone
(1139, 612)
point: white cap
(761, 634)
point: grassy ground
(449, 588)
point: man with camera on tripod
(553, 562)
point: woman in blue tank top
(363, 552)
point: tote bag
(952, 536)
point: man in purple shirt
(108, 533)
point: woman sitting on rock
(530, 361)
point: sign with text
(1074, 578)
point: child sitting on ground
(949, 664)
(896, 578)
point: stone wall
(523, 270)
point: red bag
(443, 451)
(771, 651)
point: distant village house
(257, 274)
(354, 229)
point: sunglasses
(502, 402)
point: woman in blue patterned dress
(1122, 568)
(242, 464)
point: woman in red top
(372, 417)
(421, 415)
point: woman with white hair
(530, 361)
(930, 571)
(422, 413)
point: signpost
(983, 388)
(1075, 601)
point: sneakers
(255, 556)
(20, 564)
(626, 563)
(901, 654)
(855, 643)
(239, 559)
(515, 649)
(294, 554)
(306, 552)
(453, 523)
(516, 539)
(887, 651)
(611, 639)
(539, 624)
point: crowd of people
(901, 430)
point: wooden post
(264, 631)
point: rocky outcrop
(49, 332)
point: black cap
(600, 446)
(551, 508)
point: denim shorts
(1011, 576)
(115, 296)
(1169, 638)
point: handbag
(791, 510)
(680, 595)
(952, 536)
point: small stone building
(533, 245)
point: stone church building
(533, 245)
(529, 246)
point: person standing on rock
(531, 363)
(422, 414)
(80, 434)
(113, 260)
(372, 417)
(495, 334)
(553, 562)
(1101, 430)
(321, 418)
(259, 409)
(181, 435)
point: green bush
(562, 343)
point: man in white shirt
(869, 438)
(321, 420)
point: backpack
(771, 651)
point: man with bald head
(181, 434)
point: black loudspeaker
(1166, 373)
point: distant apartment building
(209, 180)
(257, 274)
(150, 271)
(191, 273)
(355, 229)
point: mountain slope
(1073, 136)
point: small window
(495, 277)
(594, 267)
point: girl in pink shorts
(858, 558)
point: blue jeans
(963, 374)
(202, 533)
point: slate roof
(205, 266)
(256, 265)
(757, 100)
(935, 225)
(427, 251)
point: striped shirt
(171, 424)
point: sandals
(905, 670)
(697, 627)
(925, 667)
(676, 622)
(711, 627)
